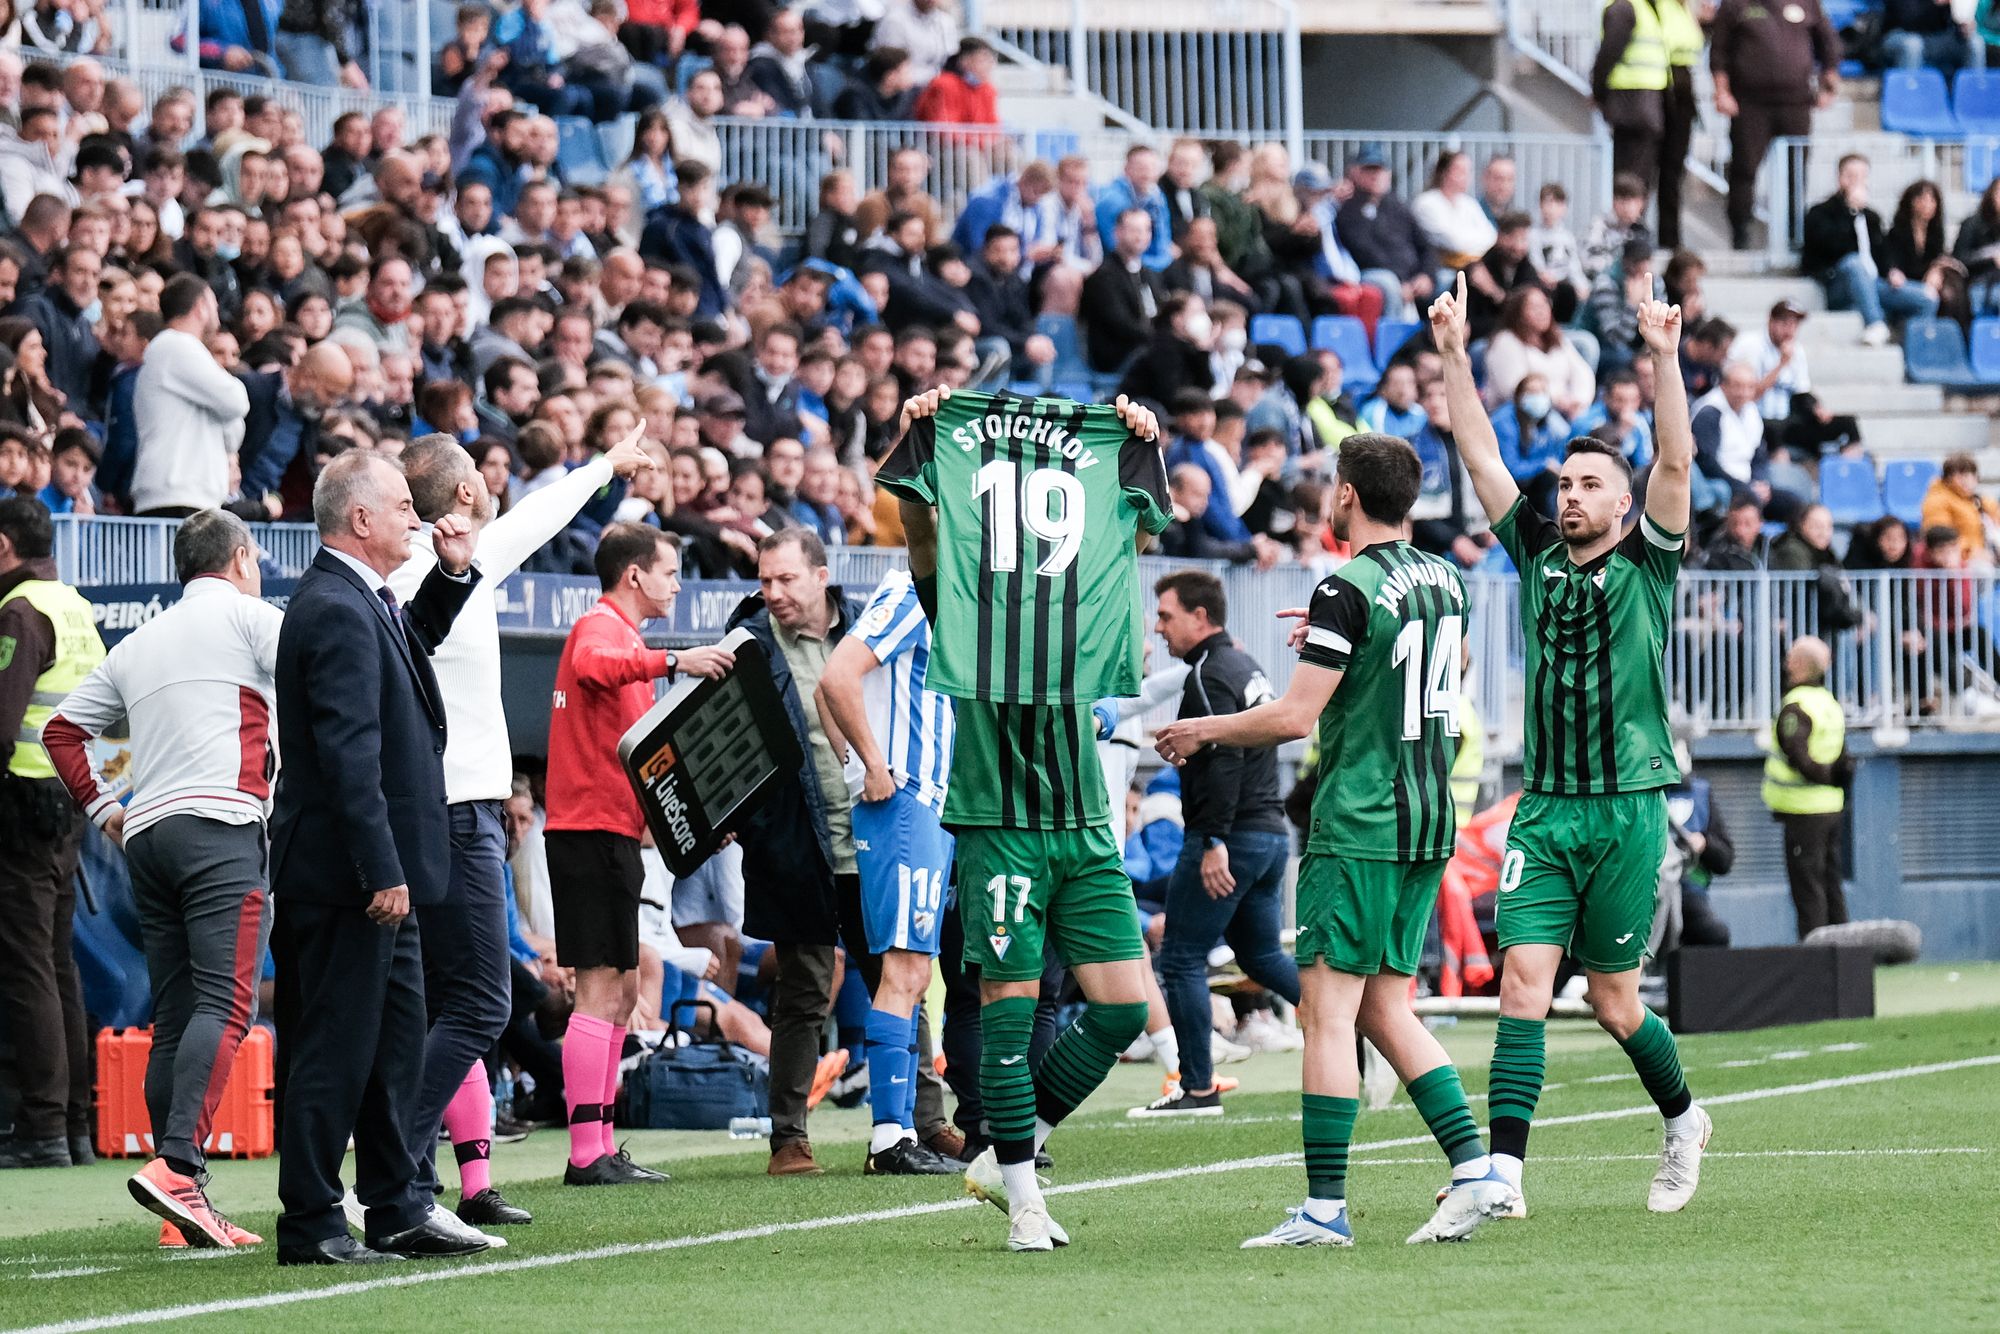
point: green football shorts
(1018, 888)
(1364, 917)
(1584, 873)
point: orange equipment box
(244, 1125)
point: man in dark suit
(360, 831)
(1122, 297)
(285, 408)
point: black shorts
(595, 879)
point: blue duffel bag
(696, 1086)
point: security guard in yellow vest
(48, 644)
(1680, 30)
(1806, 776)
(1628, 84)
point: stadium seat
(1904, 482)
(1347, 338)
(1914, 103)
(615, 138)
(579, 152)
(1054, 145)
(1283, 330)
(1985, 349)
(1072, 370)
(1975, 100)
(1848, 490)
(1390, 335)
(1982, 161)
(1934, 352)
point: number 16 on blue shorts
(904, 856)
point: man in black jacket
(1121, 299)
(1854, 275)
(1379, 230)
(1229, 881)
(359, 833)
(798, 850)
(1000, 299)
(285, 408)
(916, 295)
(60, 311)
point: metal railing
(1559, 35)
(1912, 650)
(1581, 163)
(1238, 73)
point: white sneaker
(983, 1181)
(1875, 335)
(1302, 1229)
(1516, 1208)
(1263, 1032)
(1680, 1166)
(446, 1221)
(1464, 1205)
(1030, 1229)
(356, 1211)
(1221, 1051)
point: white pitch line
(194, 1310)
(78, 1272)
(1538, 1160)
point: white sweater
(197, 683)
(478, 758)
(190, 413)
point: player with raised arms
(1023, 519)
(1583, 856)
(1378, 672)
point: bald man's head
(323, 377)
(1807, 661)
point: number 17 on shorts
(904, 857)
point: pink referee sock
(617, 1053)
(585, 1046)
(468, 1119)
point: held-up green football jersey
(1596, 665)
(1038, 502)
(1391, 620)
(1025, 766)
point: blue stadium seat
(1076, 391)
(1985, 349)
(1348, 338)
(1844, 14)
(1934, 352)
(1904, 482)
(1053, 145)
(1847, 488)
(615, 138)
(579, 152)
(1982, 161)
(1914, 103)
(1071, 366)
(1390, 335)
(1975, 100)
(1283, 330)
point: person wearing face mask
(1533, 437)
(204, 250)
(285, 409)
(1176, 358)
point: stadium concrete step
(1726, 263)
(1837, 328)
(1869, 400)
(1843, 360)
(1929, 435)
(1732, 295)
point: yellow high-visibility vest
(78, 650)
(1680, 31)
(1786, 790)
(1642, 66)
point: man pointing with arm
(1596, 603)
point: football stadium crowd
(202, 311)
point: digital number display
(723, 751)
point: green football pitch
(1853, 1183)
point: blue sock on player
(910, 1089)
(890, 1068)
(850, 1014)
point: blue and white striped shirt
(912, 725)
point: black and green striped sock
(1006, 1027)
(1329, 1130)
(1440, 1100)
(1658, 1062)
(1084, 1055)
(1514, 1085)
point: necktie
(388, 597)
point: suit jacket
(1115, 321)
(360, 804)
